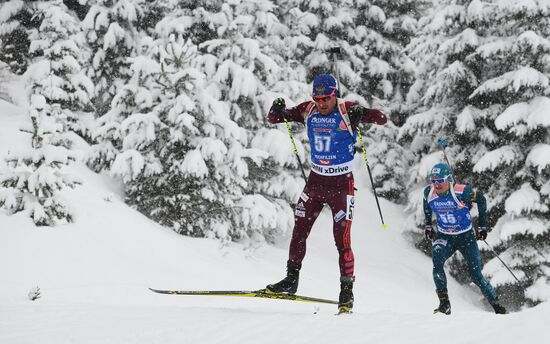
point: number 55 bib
(453, 217)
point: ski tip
(384, 226)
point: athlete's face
(325, 105)
(441, 184)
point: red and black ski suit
(335, 190)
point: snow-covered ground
(94, 276)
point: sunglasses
(321, 99)
(325, 98)
(439, 180)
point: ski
(262, 293)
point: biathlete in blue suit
(331, 125)
(451, 205)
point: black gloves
(356, 112)
(481, 233)
(429, 233)
(278, 105)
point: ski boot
(345, 301)
(289, 284)
(499, 309)
(444, 303)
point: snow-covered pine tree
(57, 88)
(509, 116)
(16, 21)
(162, 165)
(110, 31)
(384, 29)
(136, 107)
(35, 176)
(236, 70)
(131, 121)
(201, 186)
(62, 52)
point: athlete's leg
(470, 251)
(341, 201)
(308, 208)
(442, 249)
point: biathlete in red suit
(331, 125)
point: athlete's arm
(481, 208)
(359, 114)
(294, 114)
(374, 116)
(427, 210)
(470, 196)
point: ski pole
(335, 51)
(443, 144)
(295, 149)
(496, 255)
(384, 225)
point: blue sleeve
(481, 208)
(468, 196)
(427, 210)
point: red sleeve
(294, 114)
(369, 115)
(374, 116)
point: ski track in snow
(94, 276)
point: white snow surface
(93, 276)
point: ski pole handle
(443, 144)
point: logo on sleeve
(339, 215)
(300, 213)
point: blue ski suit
(455, 232)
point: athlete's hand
(481, 233)
(429, 233)
(356, 112)
(278, 105)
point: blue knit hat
(325, 85)
(441, 170)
